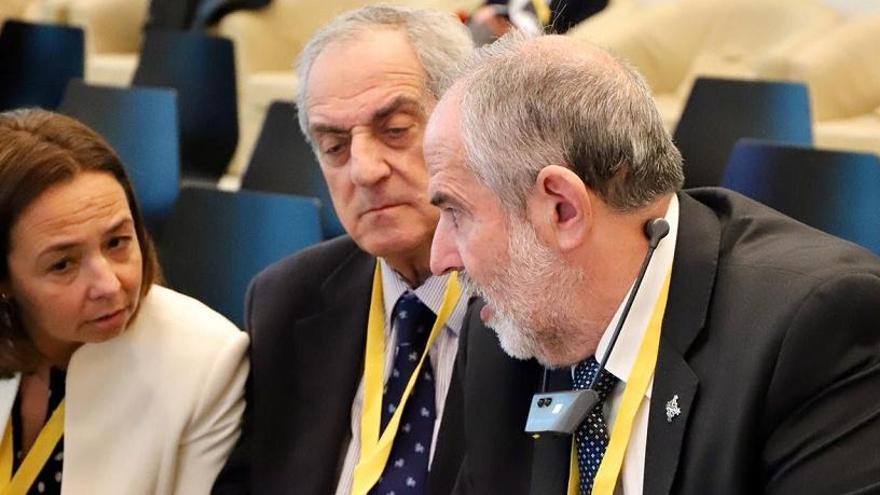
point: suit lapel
(450, 441)
(335, 339)
(675, 384)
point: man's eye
(332, 146)
(396, 132)
(333, 150)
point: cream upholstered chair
(114, 31)
(673, 44)
(842, 70)
(12, 9)
(267, 42)
(46, 11)
(615, 17)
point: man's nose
(368, 165)
(444, 252)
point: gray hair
(529, 103)
(439, 39)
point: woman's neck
(34, 400)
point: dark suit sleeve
(234, 478)
(497, 393)
(461, 481)
(822, 425)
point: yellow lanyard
(636, 387)
(542, 11)
(375, 449)
(36, 458)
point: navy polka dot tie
(407, 466)
(592, 435)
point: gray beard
(530, 297)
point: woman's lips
(110, 320)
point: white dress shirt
(442, 355)
(624, 354)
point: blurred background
(196, 95)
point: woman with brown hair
(111, 384)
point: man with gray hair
(353, 342)
(707, 343)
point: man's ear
(560, 207)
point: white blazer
(155, 410)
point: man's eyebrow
(400, 103)
(327, 129)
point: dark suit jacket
(307, 319)
(771, 340)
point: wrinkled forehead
(345, 92)
(350, 70)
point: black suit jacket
(771, 340)
(307, 319)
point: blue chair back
(217, 241)
(834, 191)
(36, 62)
(202, 70)
(141, 125)
(718, 112)
(283, 162)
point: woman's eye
(60, 266)
(119, 242)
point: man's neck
(622, 240)
(414, 270)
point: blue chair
(834, 191)
(141, 125)
(718, 112)
(283, 162)
(36, 61)
(216, 241)
(202, 70)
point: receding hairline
(549, 48)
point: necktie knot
(583, 375)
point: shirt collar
(623, 357)
(430, 293)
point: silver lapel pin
(672, 409)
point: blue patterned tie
(592, 435)
(407, 466)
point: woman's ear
(560, 208)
